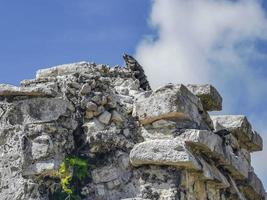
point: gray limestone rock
(209, 96)
(172, 102)
(105, 117)
(163, 152)
(240, 127)
(65, 69)
(10, 90)
(35, 110)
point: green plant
(73, 169)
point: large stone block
(173, 102)
(212, 146)
(163, 152)
(209, 96)
(203, 140)
(36, 110)
(240, 127)
(11, 90)
(65, 69)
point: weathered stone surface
(211, 173)
(63, 70)
(86, 88)
(105, 117)
(36, 110)
(41, 146)
(91, 106)
(163, 152)
(212, 145)
(105, 174)
(253, 187)
(203, 140)
(93, 126)
(240, 127)
(116, 117)
(10, 90)
(46, 167)
(173, 102)
(210, 97)
(153, 145)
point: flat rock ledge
(10, 90)
(163, 152)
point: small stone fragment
(86, 89)
(89, 114)
(105, 117)
(116, 117)
(91, 106)
(210, 97)
(99, 110)
(93, 126)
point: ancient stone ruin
(139, 144)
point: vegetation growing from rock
(73, 169)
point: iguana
(139, 74)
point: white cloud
(210, 41)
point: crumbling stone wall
(141, 144)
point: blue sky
(221, 42)
(36, 33)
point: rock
(126, 132)
(41, 146)
(86, 89)
(100, 189)
(240, 127)
(105, 174)
(89, 114)
(173, 102)
(93, 126)
(211, 173)
(97, 98)
(74, 85)
(106, 140)
(36, 110)
(163, 124)
(253, 188)
(10, 90)
(203, 140)
(64, 70)
(104, 100)
(209, 96)
(212, 145)
(105, 117)
(163, 152)
(99, 110)
(116, 117)
(91, 106)
(45, 168)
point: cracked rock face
(141, 144)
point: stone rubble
(144, 144)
